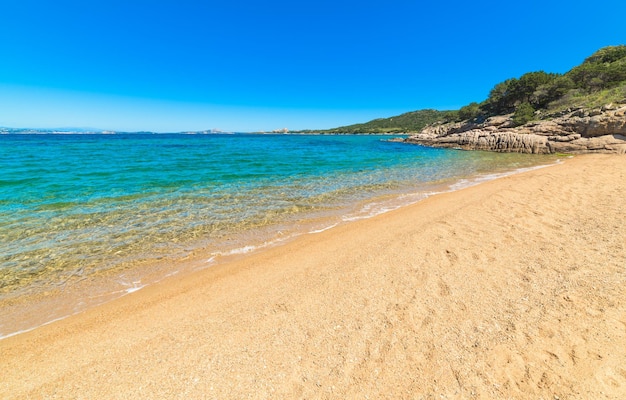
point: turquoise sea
(87, 208)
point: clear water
(79, 205)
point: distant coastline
(72, 131)
(89, 131)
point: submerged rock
(576, 131)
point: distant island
(91, 131)
(582, 110)
(41, 131)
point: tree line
(534, 91)
(525, 96)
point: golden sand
(515, 288)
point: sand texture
(515, 288)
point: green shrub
(470, 111)
(523, 114)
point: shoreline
(515, 287)
(54, 304)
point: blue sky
(179, 65)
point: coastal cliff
(577, 130)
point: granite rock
(573, 131)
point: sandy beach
(515, 288)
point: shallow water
(82, 205)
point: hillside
(599, 80)
(413, 121)
(583, 110)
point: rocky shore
(571, 131)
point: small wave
(8, 335)
(465, 183)
(373, 209)
(240, 250)
(323, 229)
(250, 247)
(134, 289)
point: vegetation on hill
(599, 80)
(412, 121)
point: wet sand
(515, 288)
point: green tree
(604, 69)
(507, 95)
(551, 91)
(607, 54)
(523, 114)
(500, 99)
(523, 89)
(584, 74)
(470, 111)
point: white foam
(134, 289)
(124, 292)
(465, 183)
(35, 327)
(249, 248)
(240, 250)
(323, 229)
(377, 208)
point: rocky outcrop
(572, 131)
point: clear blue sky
(180, 65)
